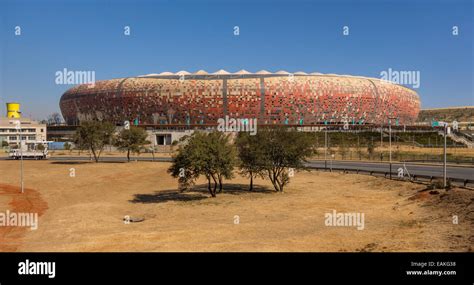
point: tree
(94, 135)
(250, 154)
(67, 146)
(224, 155)
(397, 153)
(208, 154)
(330, 150)
(359, 149)
(284, 149)
(370, 148)
(131, 140)
(79, 145)
(40, 147)
(54, 119)
(342, 149)
(183, 167)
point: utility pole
(21, 157)
(18, 128)
(326, 148)
(444, 154)
(390, 144)
(325, 142)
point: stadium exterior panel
(272, 98)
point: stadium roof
(201, 72)
(183, 72)
(221, 72)
(224, 74)
(243, 71)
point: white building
(31, 132)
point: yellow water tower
(13, 110)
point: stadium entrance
(163, 139)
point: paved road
(414, 169)
(457, 172)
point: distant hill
(460, 114)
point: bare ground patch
(28, 202)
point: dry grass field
(86, 212)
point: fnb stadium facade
(272, 98)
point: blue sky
(193, 35)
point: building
(30, 132)
(272, 98)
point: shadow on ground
(233, 189)
(167, 196)
(199, 192)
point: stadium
(279, 98)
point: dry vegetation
(85, 213)
(461, 114)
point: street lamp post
(325, 142)
(21, 157)
(18, 128)
(390, 144)
(444, 154)
(326, 148)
